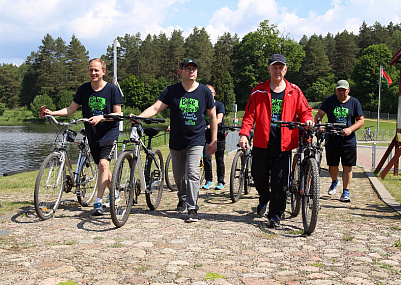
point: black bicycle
(130, 177)
(240, 177)
(305, 170)
(168, 169)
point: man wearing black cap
(341, 108)
(274, 99)
(188, 102)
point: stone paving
(354, 243)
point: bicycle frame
(143, 172)
(61, 148)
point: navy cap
(277, 58)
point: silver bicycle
(53, 180)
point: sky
(24, 23)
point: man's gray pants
(186, 174)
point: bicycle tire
(237, 176)
(87, 181)
(201, 171)
(48, 192)
(248, 178)
(168, 174)
(169, 177)
(156, 180)
(295, 184)
(311, 195)
(122, 183)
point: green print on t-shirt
(189, 107)
(97, 104)
(341, 114)
(277, 105)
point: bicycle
(369, 134)
(170, 182)
(52, 179)
(240, 176)
(305, 171)
(130, 177)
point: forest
(52, 74)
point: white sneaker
(333, 187)
(107, 204)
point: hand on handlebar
(95, 120)
(309, 124)
(243, 142)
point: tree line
(52, 74)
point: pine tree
(78, 58)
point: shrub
(38, 102)
(2, 109)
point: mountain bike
(53, 180)
(240, 176)
(305, 171)
(369, 134)
(170, 182)
(130, 177)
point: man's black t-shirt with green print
(338, 112)
(187, 114)
(99, 103)
(277, 106)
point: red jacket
(258, 112)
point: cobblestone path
(354, 243)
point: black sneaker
(274, 223)
(182, 206)
(192, 216)
(261, 210)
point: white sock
(98, 200)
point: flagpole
(378, 105)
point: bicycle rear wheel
(121, 183)
(168, 174)
(237, 176)
(295, 186)
(311, 195)
(49, 186)
(156, 180)
(201, 171)
(87, 181)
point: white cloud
(96, 24)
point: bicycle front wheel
(310, 197)
(87, 181)
(237, 176)
(122, 189)
(156, 180)
(295, 186)
(49, 186)
(168, 174)
(248, 177)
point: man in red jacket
(274, 99)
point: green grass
(393, 185)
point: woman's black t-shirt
(99, 103)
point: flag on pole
(387, 78)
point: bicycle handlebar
(134, 118)
(73, 122)
(299, 124)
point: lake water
(25, 147)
